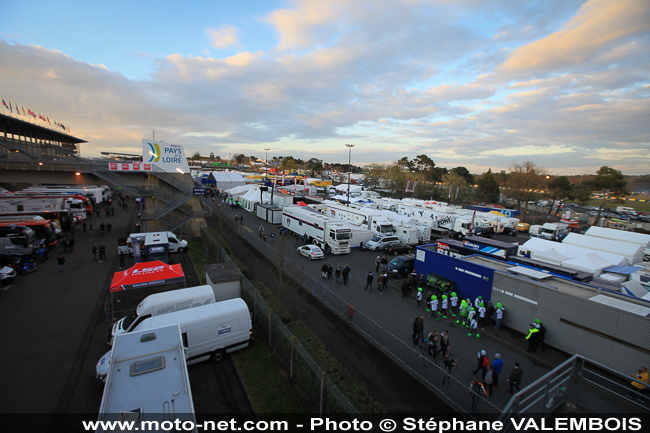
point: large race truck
(444, 225)
(329, 234)
(370, 219)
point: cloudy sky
(473, 83)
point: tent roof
(619, 235)
(147, 274)
(591, 262)
(344, 187)
(624, 270)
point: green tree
(608, 181)
(560, 189)
(464, 173)
(239, 158)
(288, 164)
(315, 165)
(459, 190)
(488, 187)
(195, 156)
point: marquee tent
(227, 180)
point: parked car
(379, 242)
(312, 252)
(401, 266)
(396, 249)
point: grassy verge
(199, 258)
(267, 387)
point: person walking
(419, 297)
(454, 304)
(482, 363)
(122, 256)
(489, 312)
(369, 279)
(515, 378)
(497, 365)
(323, 271)
(532, 338)
(380, 280)
(488, 380)
(443, 308)
(102, 252)
(273, 238)
(346, 274)
(95, 250)
(444, 341)
(83, 226)
(405, 287)
(384, 262)
(416, 330)
(481, 314)
(337, 274)
(90, 226)
(434, 306)
(499, 312)
(477, 391)
(384, 284)
(448, 362)
(60, 260)
(109, 226)
(330, 269)
(102, 227)
(433, 345)
(377, 263)
(41, 254)
(473, 327)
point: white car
(311, 251)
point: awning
(147, 274)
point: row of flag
(29, 112)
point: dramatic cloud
(470, 83)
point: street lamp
(267, 160)
(349, 146)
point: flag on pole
(283, 179)
(450, 187)
(305, 182)
(10, 108)
(4, 103)
(408, 183)
(275, 180)
(414, 183)
(457, 189)
(23, 110)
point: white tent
(250, 199)
(227, 180)
(633, 252)
(239, 191)
(634, 288)
(619, 235)
(344, 187)
(550, 251)
(592, 263)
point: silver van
(378, 242)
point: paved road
(395, 314)
(55, 329)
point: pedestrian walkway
(395, 315)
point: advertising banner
(166, 156)
(125, 166)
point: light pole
(267, 160)
(349, 146)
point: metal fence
(314, 388)
(434, 375)
(578, 384)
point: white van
(164, 303)
(208, 332)
(175, 245)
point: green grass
(639, 207)
(199, 258)
(267, 387)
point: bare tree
(524, 182)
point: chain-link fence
(433, 374)
(315, 390)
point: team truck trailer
(445, 225)
(364, 217)
(327, 233)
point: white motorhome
(164, 303)
(96, 192)
(209, 331)
(42, 203)
(327, 233)
(550, 231)
(147, 379)
(175, 245)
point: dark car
(401, 266)
(396, 249)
